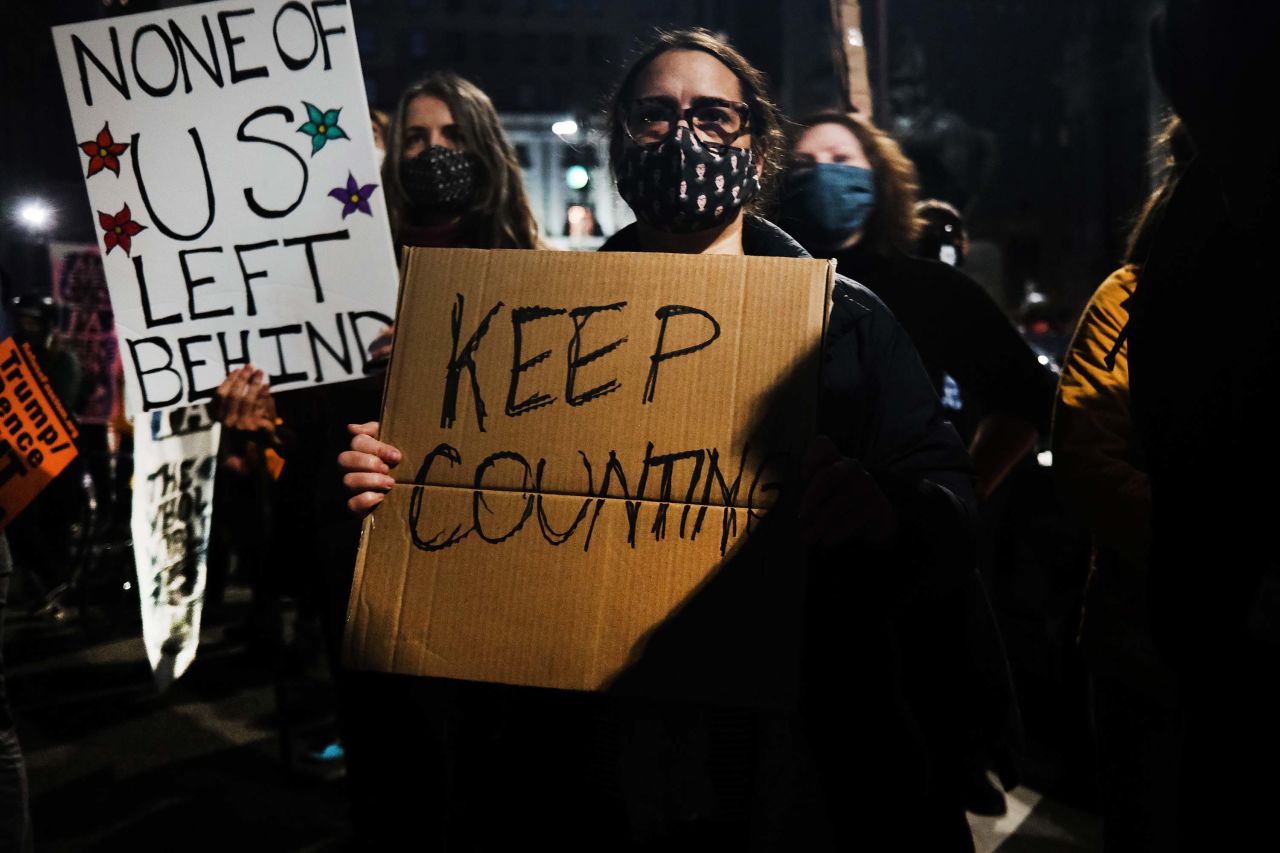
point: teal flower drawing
(322, 126)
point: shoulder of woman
(851, 303)
(1123, 280)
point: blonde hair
(500, 214)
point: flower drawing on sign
(322, 126)
(103, 152)
(119, 230)
(353, 196)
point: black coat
(877, 759)
(880, 408)
(960, 332)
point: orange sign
(36, 436)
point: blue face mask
(825, 203)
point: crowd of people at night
(908, 715)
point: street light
(568, 127)
(35, 215)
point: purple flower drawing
(353, 197)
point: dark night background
(1032, 116)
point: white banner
(229, 160)
(175, 458)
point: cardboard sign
(175, 459)
(87, 326)
(593, 445)
(37, 440)
(229, 161)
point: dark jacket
(880, 408)
(1203, 360)
(960, 332)
(874, 759)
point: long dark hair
(765, 123)
(500, 215)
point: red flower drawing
(119, 230)
(103, 152)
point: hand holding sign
(367, 465)
(579, 451)
(245, 405)
(841, 502)
(380, 349)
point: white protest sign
(230, 165)
(175, 458)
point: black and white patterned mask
(439, 180)
(683, 184)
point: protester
(849, 193)
(1203, 362)
(888, 491)
(1099, 469)
(456, 180)
(44, 560)
(452, 179)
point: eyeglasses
(650, 120)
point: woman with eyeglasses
(885, 516)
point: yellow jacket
(1098, 471)
(1094, 458)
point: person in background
(40, 536)
(35, 322)
(1099, 469)
(1204, 353)
(452, 179)
(887, 490)
(942, 233)
(849, 193)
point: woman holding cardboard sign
(885, 516)
(452, 179)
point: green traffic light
(577, 177)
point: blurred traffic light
(578, 163)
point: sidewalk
(113, 765)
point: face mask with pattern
(683, 185)
(438, 181)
